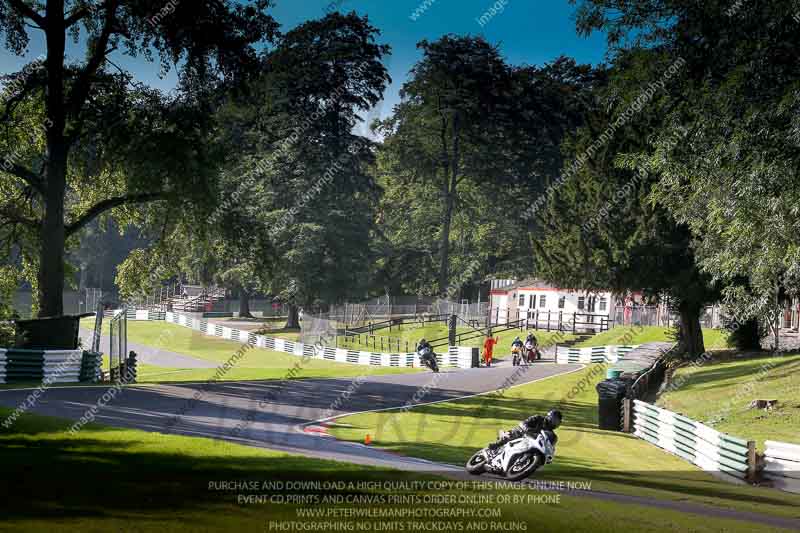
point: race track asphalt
(283, 415)
(276, 414)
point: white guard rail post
(782, 465)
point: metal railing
(377, 342)
(118, 345)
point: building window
(592, 303)
(542, 301)
(581, 303)
(522, 300)
(532, 301)
(561, 302)
(603, 303)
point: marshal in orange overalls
(488, 348)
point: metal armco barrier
(695, 442)
(455, 356)
(782, 465)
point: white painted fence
(456, 356)
(695, 442)
(782, 465)
(594, 354)
(145, 314)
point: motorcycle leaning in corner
(516, 459)
(428, 358)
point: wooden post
(548, 320)
(627, 412)
(560, 319)
(574, 319)
(752, 462)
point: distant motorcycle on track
(532, 353)
(517, 357)
(428, 358)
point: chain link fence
(319, 330)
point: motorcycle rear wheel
(477, 464)
(524, 465)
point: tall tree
(506, 161)
(304, 165)
(211, 40)
(452, 108)
(734, 182)
(601, 229)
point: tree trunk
(690, 334)
(444, 266)
(51, 259)
(244, 304)
(449, 190)
(293, 320)
(777, 324)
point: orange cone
(368, 439)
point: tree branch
(80, 13)
(83, 83)
(24, 9)
(28, 176)
(110, 203)
(17, 218)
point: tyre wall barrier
(594, 354)
(455, 356)
(92, 367)
(695, 442)
(52, 366)
(782, 465)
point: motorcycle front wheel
(477, 464)
(524, 465)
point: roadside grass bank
(106, 479)
(714, 339)
(451, 432)
(718, 393)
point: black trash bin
(610, 394)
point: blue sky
(528, 32)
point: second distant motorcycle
(428, 358)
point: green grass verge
(450, 432)
(103, 479)
(256, 363)
(719, 392)
(412, 333)
(714, 339)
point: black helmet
(553, 419)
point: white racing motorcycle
(516, 459)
